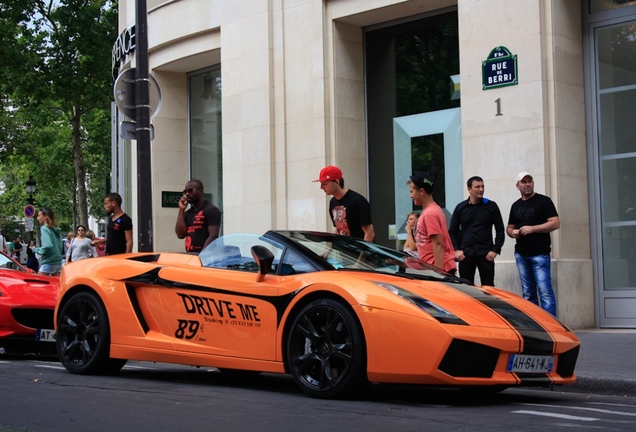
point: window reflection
(205, 132)
(605, 5)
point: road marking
(580, 425)
(610, 404)
(555, 415)
(49, 366)
(599, 410)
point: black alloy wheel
(83, 336)
(326, 353)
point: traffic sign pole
(142, 112)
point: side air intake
(567, 361)
(468, 359)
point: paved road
(42, 396)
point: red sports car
(27, 301)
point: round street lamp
(30, 187)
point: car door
(221, 309)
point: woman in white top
(80, 247)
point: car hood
(15, 284)
(477, 306)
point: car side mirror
(264, 258)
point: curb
(603, 386)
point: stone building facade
(259, 95)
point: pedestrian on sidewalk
(200, 224)
(52, 247)
(81, 247)
(471, 232)
(532, 218)
(350, 212)
(119, 234)
(434, 245)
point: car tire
(83, 336)
(325, 350)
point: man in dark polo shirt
(201, 223)
(471, 232)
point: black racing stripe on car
(280, 303)
(536, 340)
(132, 295)
(534, 380)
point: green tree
(56, 88)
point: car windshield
(233, 252)
(298, 252)
(350, 253)
(8, 263)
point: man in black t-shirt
(350, 212)
(119, 238)
(201, 223)
(532, 218)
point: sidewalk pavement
(606, 363)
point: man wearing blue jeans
(532, 218)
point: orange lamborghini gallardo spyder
(334, 312)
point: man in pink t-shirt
(434, 245)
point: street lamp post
(30, 187)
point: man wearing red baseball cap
(350, 212)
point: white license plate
(45, 335)
(530, 363)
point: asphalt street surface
(40, 395)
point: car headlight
(437, 312)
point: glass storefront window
(206, 161)
(616, 90)
(605, 5)
(616, 65)
(617, 119)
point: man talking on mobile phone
(200, 224)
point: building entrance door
(446, 125)
(412, 114)
(614, 77)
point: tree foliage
(56, 89)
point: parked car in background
(27, 301)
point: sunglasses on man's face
(189, 190)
